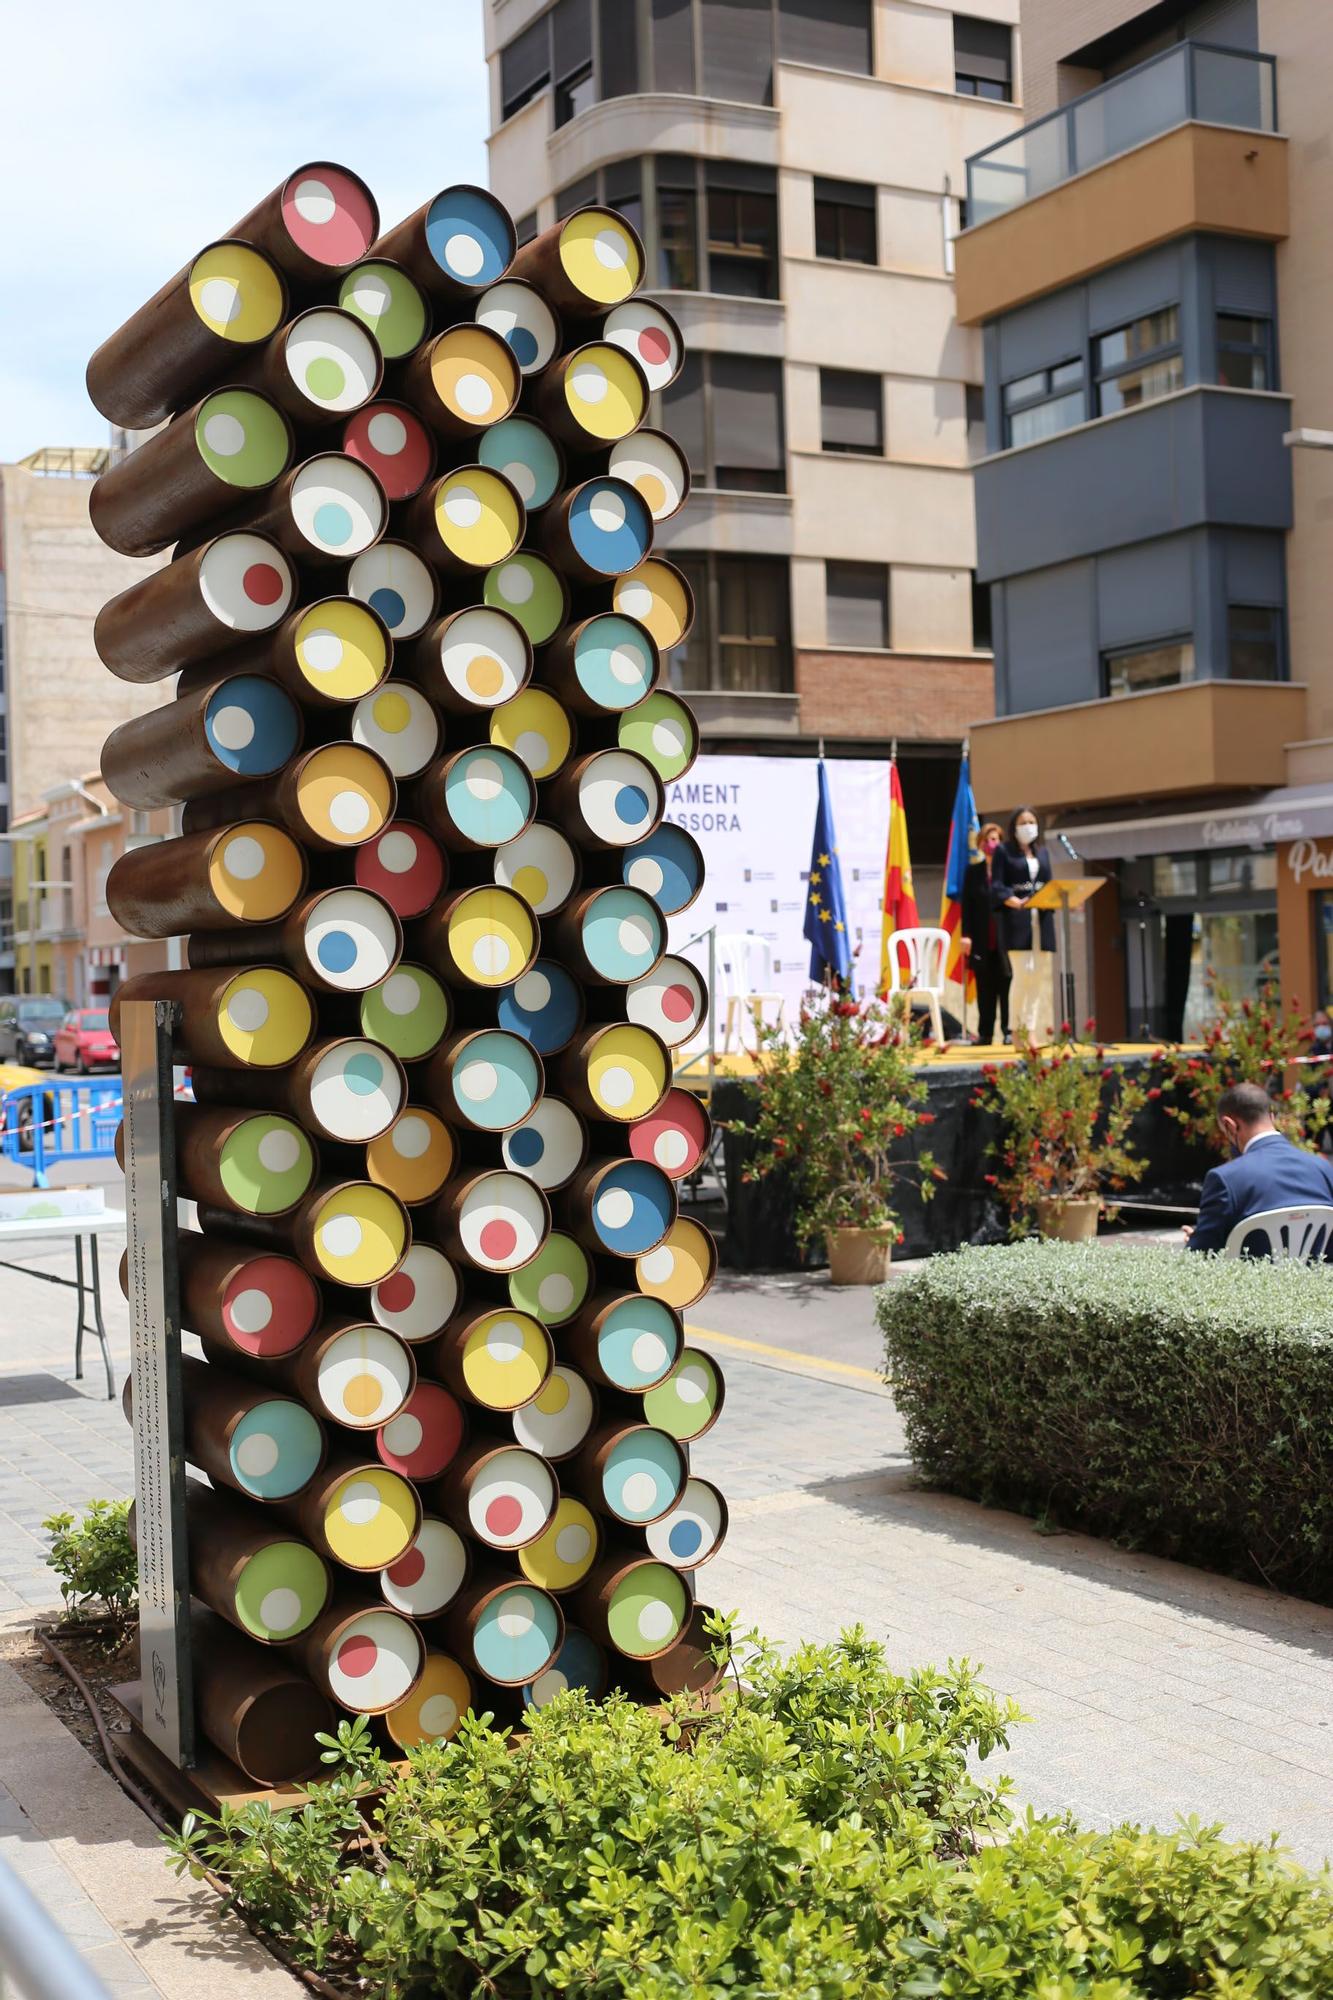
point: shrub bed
(816, 1836)
(1180, 1403)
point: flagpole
(967, 964)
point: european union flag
(825, 910)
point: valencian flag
(963, 830)
(825, 910)
(900, 911)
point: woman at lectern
(1019, 868)
(981, 937)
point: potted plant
(1248, 1041)
(1063, 1144)
(835, 1104)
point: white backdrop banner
(754, 818)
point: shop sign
(1310, 857)
(1253, 830)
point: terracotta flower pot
(859, 1256)
(1073, 1221)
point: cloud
(135, 131)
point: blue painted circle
(523, 343)
(631, 805)
(525, 1148)
(621, 1332)
(665, 866)
(642, 1476)
(685, 1538)
(578, 1664)
(333, 524)
(272, 718)
(548, 1025)
(614, 661)
(612, 550)
(647, 1199)
(390, 604)
(336, 951)
(470, 237)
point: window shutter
(571, 31)
(673, 45)
(747, 413)
(618, 53)
(982, 48)
(683, 416)
(737, 41)
(525, 66)
(835, 34)
(851, 411)
(857, 600)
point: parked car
(28, 1025)
(84, 1042)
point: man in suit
(1266, 1172)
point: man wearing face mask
(1019, 867)
(981, 938)
(1265, 1171)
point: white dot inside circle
(372, 296)
(611, 249)
(404, 1434)
(279, 1151)
(400, 992)
(548, 1685)
(616, 1086)
(322, 650)
(658, 1265)
(341, 1236)
(474, 395)
(257, 1455)
(668, 739)
(397, 852)
(233, 728)
(462, 507)
(491, 954)
(504, 1343)
(220, 299)
(359, 1502)
(671, 1150)
(607, 510)
(485, 779)
(626, 666)
(314, 202)
(477, 1081)
(573, 1543)
(615, 1208)
(411, 1138)
(639, 1493)
(656, 1622)
(522, 478)
(224, 434)
(243, 857)
(534, 750)
(464, 255)
(517, 1617)
(646, 874)
(251, 1310)
(691, 1384)
(589, 383)
(556, 1293)
(636, 936)
(247, 1010)
(649, 1354)
(349, 812)
(437, 1715)
(279, 1609)
(533, 992)
(635, 600)
(515, 583)
(387, 432)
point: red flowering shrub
(1064, 1131)
(1249, 1041)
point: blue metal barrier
(44, 1124)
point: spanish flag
(900, 911)
(963, 830)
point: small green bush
(818, 1836)
(1178, 1403)
(95, 1561)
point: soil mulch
(90, 1647)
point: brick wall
(933, 699)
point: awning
(1254, 820)
(105, 954)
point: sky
(132, 132)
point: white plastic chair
(926, 951)
(1296, 1235)
(744, 964)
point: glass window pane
(1134, 671)
(1175, 875)
(1141, 385)
(1141, 336)
(1241, 874)
(1238, 368)
(1254, 642)
(857, 604)
(982, 58)
(1043, 420)
(688, 665)
(1025, 388)
(1069, 375)
(673, 45)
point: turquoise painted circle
(489, 796)
(623, 934)
(275, 1449)
(516, 1635)
(497, 1081)
(642, 1477)
(524, 454)
(638, 1343)
(614, 661)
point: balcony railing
(1194, 81)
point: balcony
(1205, 736)
(1187, 141)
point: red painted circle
(328, 215)
(678, 1113)
(357, 1655)
(655, 344)
(292, 1295)
(262, 583)
(504, 1514)
(402, 472)
(396, 1294)
(441, 1421)
(678, 1003)
(408, 1569)
(498, 1239)
(410, 891)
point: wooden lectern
(1065, 894)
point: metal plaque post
(158, 1407)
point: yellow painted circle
(563, 1554)
(478, 516)
(492, 937)
(506, 1358)
(341, 649)
(265, 1017)
(600, 257)
(531, 884)
(475, 375)
(484, 676)
(653, 493)
(679, 1270)
(236, 293)
(371, 1518)
(415, 1157)
(628, 1072)
(255, 871)
(436, 1706)
(345, 794)
(536, 728)
(604, 391)
(361, 1235)
(392, 712)
(553, 1397)
(655, 594)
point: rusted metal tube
(633, 1473)
(671, 998)
(328, 654)
(258, 1017)
(466, 522)
(393, 441)
(347, 1232)
(357, 1512)
(249, 874)
(488, 1080)
(602, 664)
(619, 1073)
(333, 797)
(618, 1207)
(255, 1163)
(676, 1137)
(351, 1373)
(434, 1711)
(253, 1301)
(363, 1655)
(475, 800)
(343, 1089)
(590, 398)
(485, 937)
(686, 1667)
(391, 304)
(454, 245)
(580, 1663)
(461, 382)
(199, 605)
(245, 1437)
(497, 1357)
(260, 1714)
(517, 311)
(501, 1494)
(634, 1605)
(320, 367)
(625, 1341)
(339, 940)
(504, 1627)
(193, 331)
(588, 262)
(329, 509)
(610, 937)
(472, 660)
(645, 329)
(657, 469)
(251, 1571)
(422, 1582)
(667, 865)
(404, 865)
(318, 222)
(608, 799)
(498, 1221)
(693, 1531)
(597, 530)
(202, 466)
(214, 740)
(561, 1418)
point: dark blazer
(1270, 1173)
(1009, 877)
(976, 906)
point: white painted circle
(233, 728)
(462, 507)
(485, 779)
(279, 1609)
(314, 202)
(556, 1293)
(372, 295)
(224, 434)
(403, 1436)
(477, 1081)
(437, 1715)
(243, 858)
(247, 1010)
(400, 993)
(387, 432)
(638, 1493)
(616, 1086)
(589, 382)
(646, 874)
(396, 852)
(533, 991)
(547, 1686)
(649, 1354)
(656, 1622)
(491, 954)
(657, 1265)
(635, 600)
(615, 1207)
(411, 1138)
(475, 396)
(341, 1236)
(626, 666)
(573, 1543)
(220, 299)
(515, 584)
(533, 749)
(359, 1503)
(464, 255)
(251, 1310)
(257, 1455)
(349, 812)
(517, 1617)
(522, 478)
(607, 510)
(669, 739)
(322, 650)
(279, 1151)
(691, 1384)
(672, 1149)
(611, 249)
(636, 936)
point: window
(677, 225)
(954, 216)
(726, 412)
(577, 195)
(1135, 669)
(571, 58)
(1242, 874)
(742, 633)
(982, 58)
(983, 632)
(673, 46)
(622, 189)
(857, 605)
(736, 42)
(1244, 352)
(851, 411)
(618, 50)
(1175, 875)
(525, 66)
(1138, 363)
(835, 34)
(974, 397)
(1254, 642)
(845, 222)
(742, 221)
(1042, 404)
(526, 227)
(717, 222)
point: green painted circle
(410, 1034)
(648, 729)
(388, 303)
(286, 1581)
(685, 1404)
(242, 438)
(325, 378)
(555, 1284)
(529, 589)
(258, 1184)
(647, 1610)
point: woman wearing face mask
(981, 937)
(1020, 866)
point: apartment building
(796, 168)
(65, 940)
(1150, 263)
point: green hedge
(1178, 1403)
(816, 1837)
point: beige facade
(66, 941)
(902, 133)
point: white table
(80, 1228)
